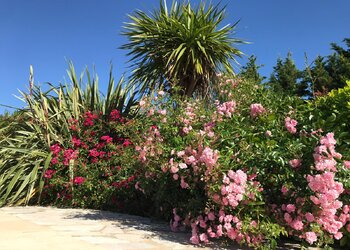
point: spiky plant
(182, 46)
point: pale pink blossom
(347, 164)
(284, 189)
(182, 165)
(174, 169)
(232, 234)
(256, 109)
(310, 237)
(150, 112)
(219, 231)
(290, 125)
(297, 224)
(194, 239)
(142, 103)
(309, 217)
(211, 216)
(180, 153)
(203, 237)
(209, 157)
(162, 111)
(211, 233)
(295, 163)
(184, 184)
(290, 208)
(287, 218)
(338, 235)
(226, 108)
(254, 224)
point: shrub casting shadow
(159, 228)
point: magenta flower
(114, 115)
(55, 149)
(76, 141)
(49, 173)
(107, 139)
(94, 152)
(126, 143)
(79, 180)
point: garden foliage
(249, 168)
(25, 141)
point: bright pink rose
(290, 208)
(79, 180)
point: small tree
(286, 76)
(251, 71)
(181, 46)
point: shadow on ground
(160, 229)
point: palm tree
(183, 47)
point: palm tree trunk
(191, 86)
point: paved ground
(47, 228)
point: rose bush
(232, 169)
(249, 168)
(95, 168)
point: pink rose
(256, 109)
(295, 163)
(310, 237)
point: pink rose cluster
(325, 153)
(256, 109)
(290, 125)
(212, 226)
(208, 130)
(226, 108)
(152, 138)
(327, 192)
(188, 117)
(328, 212)
(195, 159)
(233, 188)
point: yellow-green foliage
(332, 113)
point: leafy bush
(25, 143)
(244, 170)
(332, 113)
(248, 168)
(96, 168)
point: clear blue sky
(47, 33)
